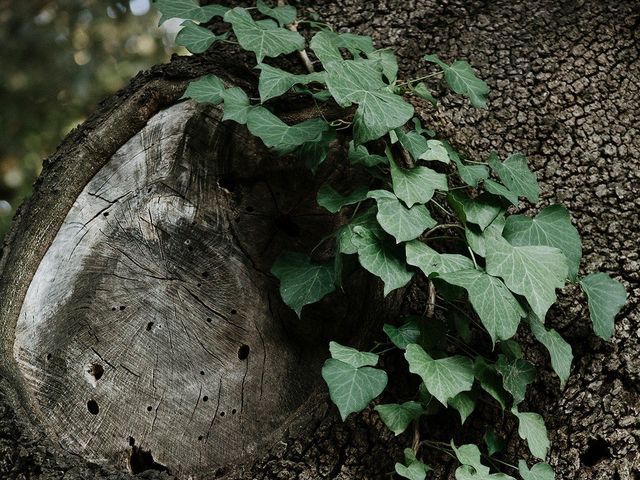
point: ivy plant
(427, 212)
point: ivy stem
(473, 257)
(414, 80)
(442, 226)
(477, 163)
(415, 444)
(304, 58)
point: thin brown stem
(304, 57)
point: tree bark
(565, 81)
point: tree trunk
(134, 284)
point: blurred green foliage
(58, 59)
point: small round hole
(96, 370)
(149, 408)
(106, 214)
(200, 437)
(222, 414)
(205, 398)
(199, 285)
(132, 441)
(93, 408)
(201, 372)
(149, 326)
(113, 309)
(234, 411)
(209, 319)
(122, 307)
(49, 356)
(243, 352)
(234, 311)
(205, 274)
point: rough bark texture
(566, 79)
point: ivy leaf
(469, 455)
(516, 375)
(346, 237)
(259, 38)
(196, 39)
(498, 309)
(540, 471)
(515, 174)
(331, 200)
(350, 388)
(360, 155)
(356, 44)
(284, 15)
(416, 185)
(533, 272)
(284, 138)
(444, 378)
(606, 297)
(378, 256)
(408, 332)
(494, 443)
(302, 282)
(412, 142)
(351, 356)
(387, 61)
(481, 210)
(188, 10)
(397, 220)
(464, 403)
(208, 89)
(462, 80)
(326, 46)
(490, 381)
(531, 428)
(551, 227)
(315, 152)
(436, 150)
(274, 82)
(559, 349)
(429, 261)
(471, 174)
(236, 105)
(397, 417)
(500, 190)
(477, 239)
(423, 91)
(415, 469)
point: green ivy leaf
(471, 174)
(481, 210)
(431, 262)
(356, 44)
(360, 155)
(464, 403)
(277, 134)
(415, 469)
(540, 471)
(533, 272)
(403, 223)
(559, 350)
(408, 332)
(236, 105)
(469, 455)
(315, 152)
(436, 150)
(188, 10)
(500, 190)
(551, 227)
(331, 200)
(351, 356)
(416, 185)
(397, 417)
(423, 91)
(515, 174)
(494, 443)
(208, 89)
(412, 142)
(490, 381)
(387, 61)
(196, 39)
(284, 15)
(606, 297)
(346, 237)
(477, 239)
(516, 375)
(531, 428)
(326, 46)
(498, 309)
(350, 388)
(463, 81)
(302, 282)
(378, 256)
(274, 82)
(261, 39)
(444, 378)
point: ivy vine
(493, 272)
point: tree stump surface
(565, 79)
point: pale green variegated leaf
(606, 297)
(208, 89)
(462, 80)
(436, 150)
(559, 350)
(346, 237)
(423, 91)
(360, 155)
(408, 332)
(387, 61)
(398, 416)
(416, 185)
(464, 403)
(261, 39)
(412, 142)
(403, 223)
(498, 309)
(350, 388)
(490, 381)
(188, 10)
(414, 469)
(481, 210)
(516, 375)
(353, 357)
(380, 257)
(331, 200)
(533, 272)
(494, 443)
(471, 174)
(431, 262)
(274, 82)
(531, 428)
(302, 282)
(284, 15)
(515, 174)
(551, 227)
(277, 134)
(196, 39)
(500, 190)
(540, 471)
(444, 378)
(236, 105)
(315, 152)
